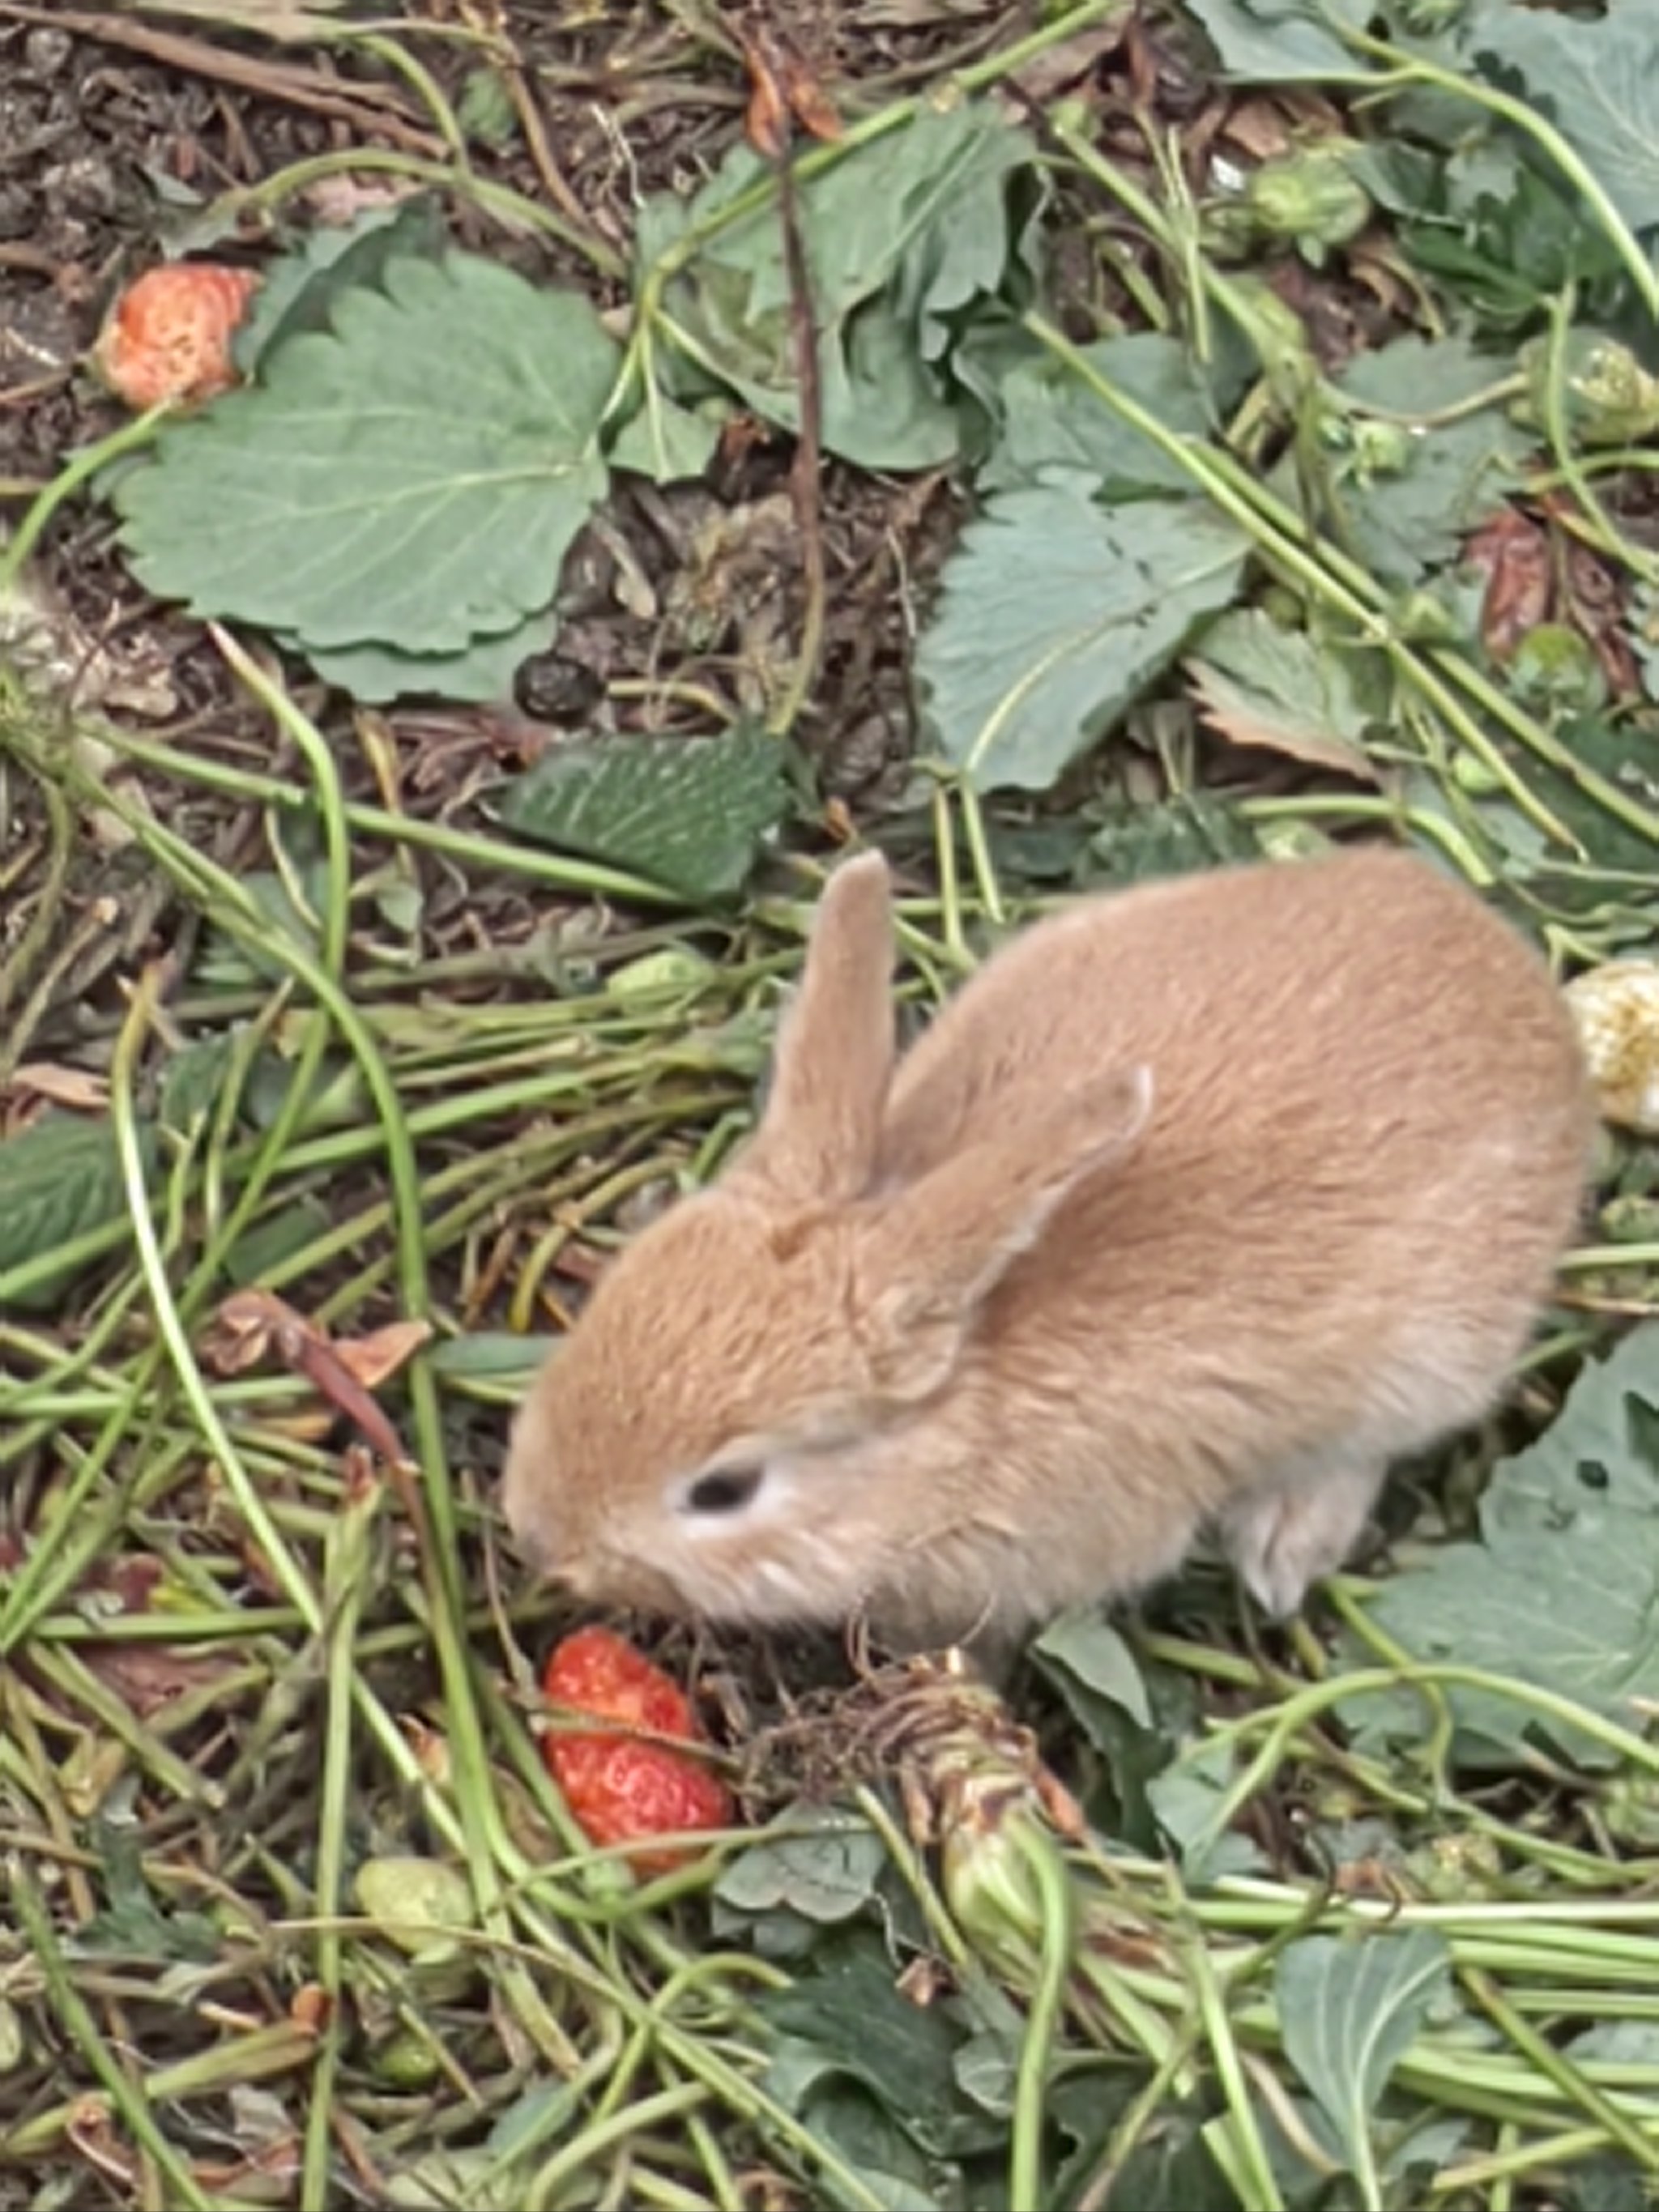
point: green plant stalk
(1280, 537)
(693, 2056)
(979, 846)
(486, 1186)
(345, 1575)
(651, 320)
(1172, 237)
(1492, 2087)
(579, 878)
(512, 209)
(440, 1562)
(64, 1552)
(1559, 2069)
(978, 76)
(80, 469)
(1406, 70)
(1611, 540)
(1262, 2192)
(1231, 490)
(396, 56)
(1343, 584)
(1159, 2090)
(717, 2167)
(239, 916)
(168, 1319)
(944, 855)
(336, 920)
(37, 930)
(1523, 2161)
(257, 1625)
(601, 2137)
(1443, 1726)
(76, 1683)
(75, 2017)
(222, 1221)
(1334, 807)
(906, 1860)
(260, 2055)
(1323, 1697)
(1052, 1892)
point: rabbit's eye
(724, 1489)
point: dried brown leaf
(373, 1359)
(1245, 720)
(252, 1324)
(74, 1088)
(1257, 126)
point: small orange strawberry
(167, 336)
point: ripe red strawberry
(618, 1788)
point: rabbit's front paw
(1283, 1538)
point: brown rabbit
(1200, 1204)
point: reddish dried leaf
(131, 1580)
(148, 1677)
(809, 103)
(1593, 601)
(320, 1363)
(431, 1750)
(1380, 274)
(92, 2132)
(338, 201)
(781, 85)
(280, 2161)
(1514, 551)
(766, 121)
(243, 1330)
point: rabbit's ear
(936, 1252)
(834, 1057)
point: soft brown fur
(1200, 1204)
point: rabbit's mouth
(624, 1578)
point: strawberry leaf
(1598, 81)
(59, 1180)
(1576, 1514)
(410, 477)
(1282, 42)
(691, 814)
(1057, 613)
(1349, 2006)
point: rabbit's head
(727, 1428)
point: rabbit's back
(1327, 1009)
(1369, 1133)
